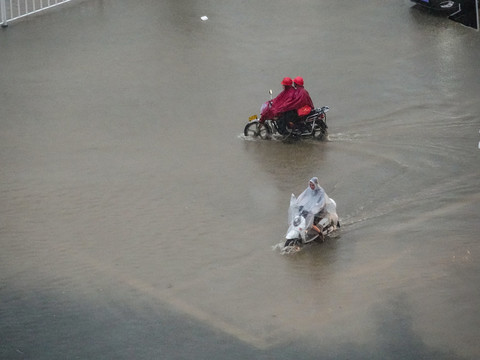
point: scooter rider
(313, 200)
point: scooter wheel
(290, 242)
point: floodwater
(136, 221)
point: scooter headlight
(297, 221)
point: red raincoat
(285, 97)
(300, 98)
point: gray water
(137, 222)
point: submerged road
(137, 222)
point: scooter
(305, 227)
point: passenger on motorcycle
(303, 102)
(302, 97)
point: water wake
(286, 250)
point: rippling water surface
(136, 220)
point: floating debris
(204, 18)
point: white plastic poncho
(317, 203)
(313, 200)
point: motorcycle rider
(278, 104)
(286, 94)
(299, 104)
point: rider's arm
(320, 204)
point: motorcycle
(310, 125)
(305, 227)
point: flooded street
(137, 222)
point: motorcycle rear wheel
(257, 129)
(320, 133)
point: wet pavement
(136, 220)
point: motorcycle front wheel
(257, 129)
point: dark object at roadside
(468, 14)
(465, 12)
(439, 5)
